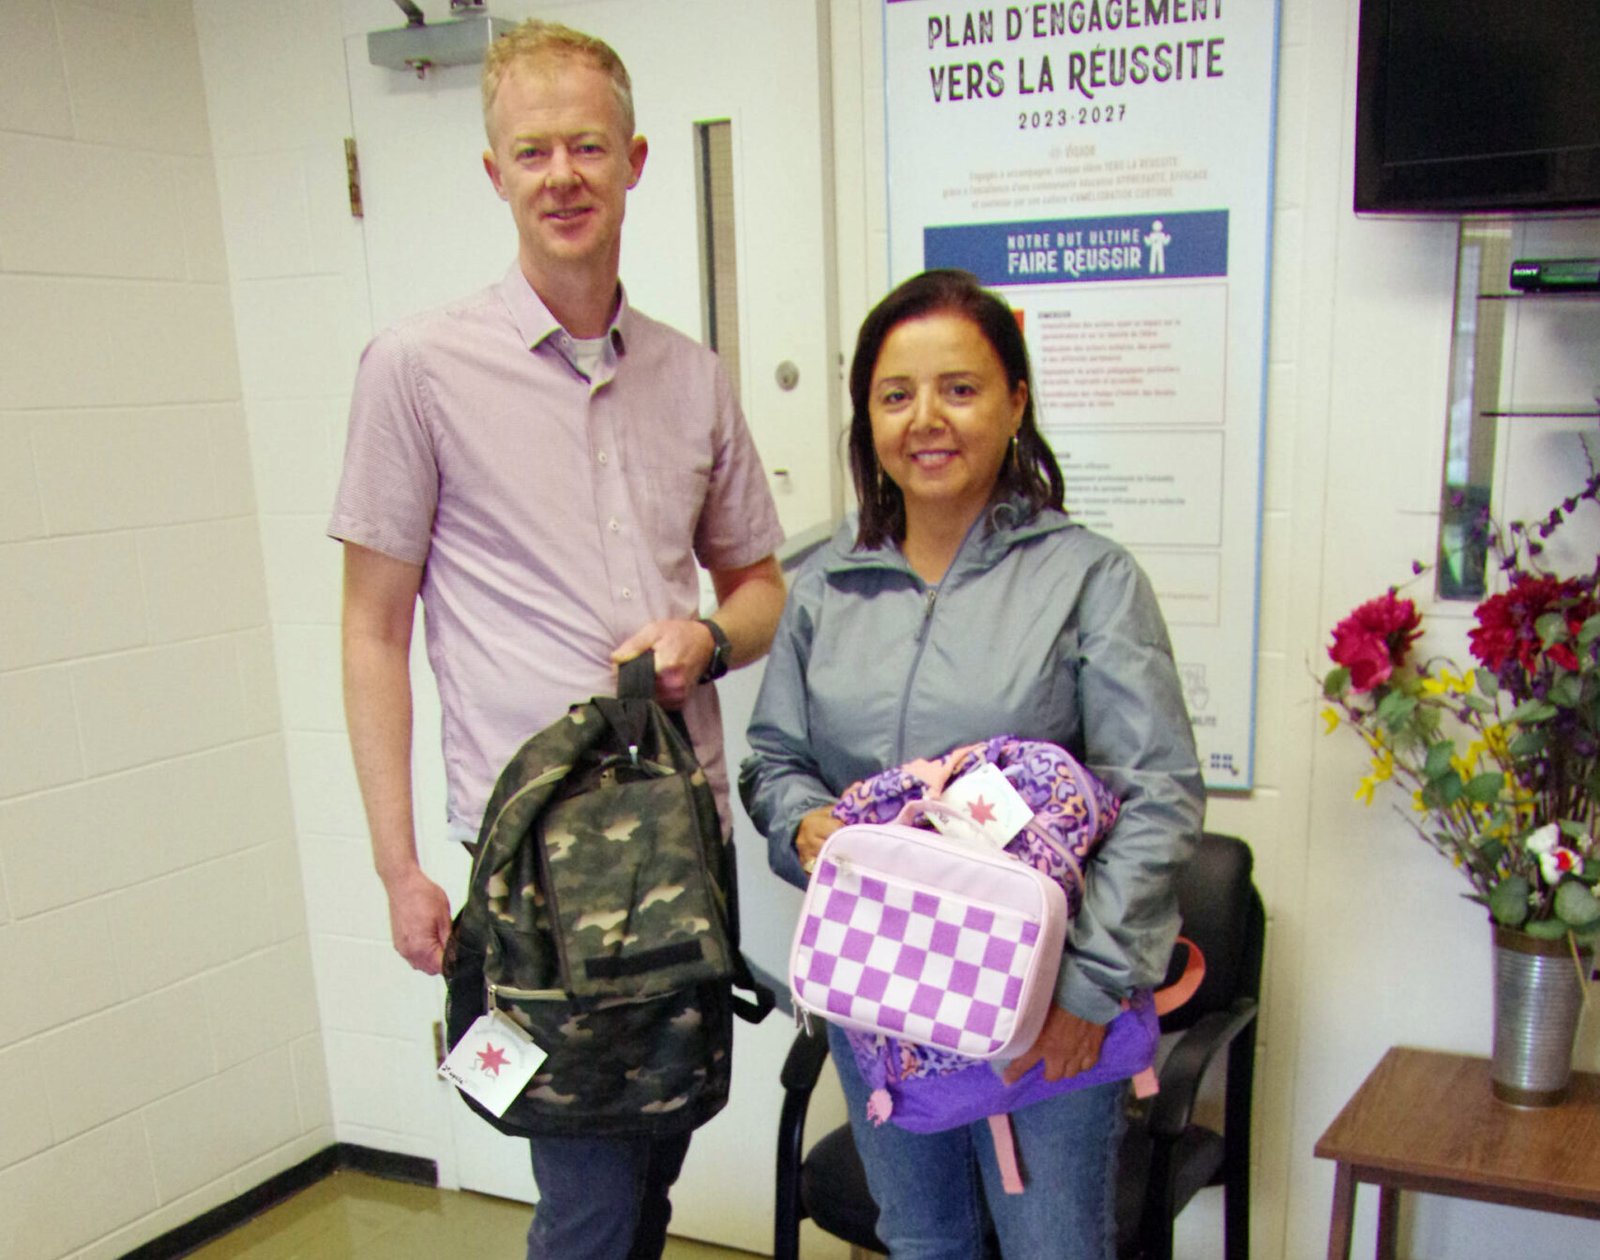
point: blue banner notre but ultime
(1182, 245)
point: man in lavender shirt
(542, 465)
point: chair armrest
(1185, 1067)
(781, 998)
(804, 1063)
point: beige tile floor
(354, 1216)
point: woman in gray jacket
(963, 604)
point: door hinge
(440, 1050)
(352, 174)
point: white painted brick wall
(160, 1050)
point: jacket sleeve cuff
(1080, 996)
(781, 854)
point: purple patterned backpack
(1072, 808)
(925, 1088)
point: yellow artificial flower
(1449, 684)
(1382, 769)
(1330, 717)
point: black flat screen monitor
(1478, 106)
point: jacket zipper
(929, 600)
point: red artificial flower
(1373, 640)
(1507, 622)
(1562, 653)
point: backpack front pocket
(630, 897)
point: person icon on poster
(1156, 241)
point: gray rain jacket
(1040, 629)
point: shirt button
(627, 592)
(614, 525)
(602, 457)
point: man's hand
(814, 828)
(683, 651)
(419, 920)
(1067, 1045)
(749, 600)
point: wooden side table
(1426, 1121)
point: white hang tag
(493, 1061)
(986, 806)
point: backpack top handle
(636, 678)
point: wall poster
(1107, 165)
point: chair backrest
(1223, 915)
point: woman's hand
(1067, 1045)
(814, 828)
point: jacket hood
(993, 534)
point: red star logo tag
(491, 1059)
(982, 811)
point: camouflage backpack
(601, 917)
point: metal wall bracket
(458, 41)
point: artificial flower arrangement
(1502, 760)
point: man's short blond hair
(535, 39)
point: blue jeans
(936, 1191)
(603, 1198)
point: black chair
(1166, 1157)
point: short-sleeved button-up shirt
(554, 514)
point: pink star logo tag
(491, 1059)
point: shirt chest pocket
(669, 498)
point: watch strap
(721, 651)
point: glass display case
(1523, 423)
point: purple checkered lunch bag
(909, 934)
(913, 1036)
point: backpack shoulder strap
(1169, 998)
(1174, 995)
(524, 787)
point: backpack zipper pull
(633, 752)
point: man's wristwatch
(721, 651)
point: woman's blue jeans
(936, 1191)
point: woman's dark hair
(1030, 472)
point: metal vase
(1538, 998)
